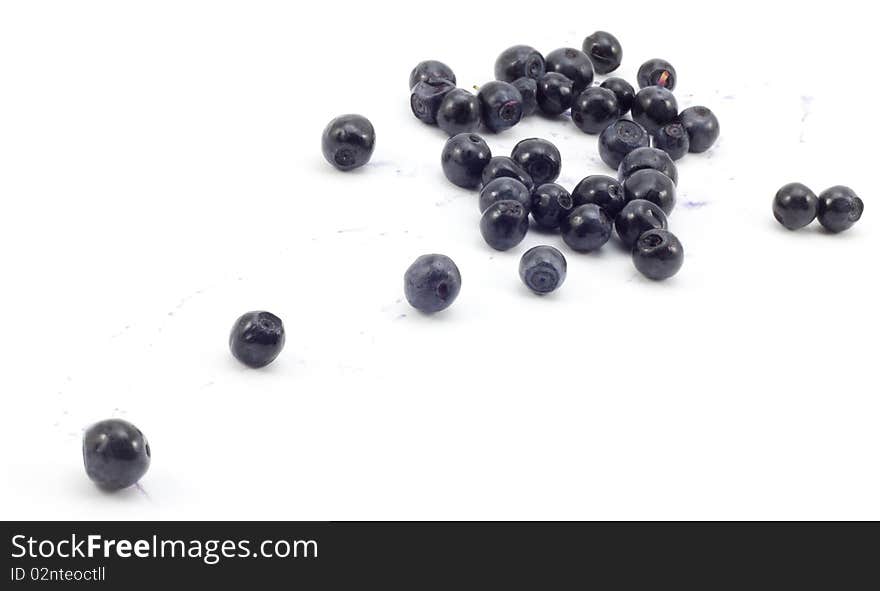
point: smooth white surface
(160, 174)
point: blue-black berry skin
(600, 190)
(555, 94)
(517, 62)
(573, 64)
(504, 224)
(551, 203)
(587, 228)
(595, 109)
(658, 254)
(538, 157)
(624, 92)
(795, 206)
(702, 127)
(651, 185)
(636, 218)
(432, 283)
(257, 338)
(427, 96)
(839, 208)
(501, 105)
(642, 158)
(504, 189)
(604, 50)
(528, 88)
(619, 139)
(459, 112)
(430, 69)
(502, 166)
(348, 141)
(464, 158)
(116, 454)
(654, 107)
(542, 269)
(657, 72)
(673, 139)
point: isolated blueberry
(636, 218)
(550, 204)
(430, 69)
(619, 139)
(595, 109)
(601, 190)
(839, 208)
(431, 283)
(115, 453)
(658, 254)
(604, 51)
(795, 206)
(651, 185)
(642, 158)
(348, 141)
(657, 72)
(555, 94)
(504, 224)
(573, 64)
(504, 189)
(540, 158)
(528, 88)
(427, 96)
(459, 112)
(586, 228)
(654, 107)
(517, 62)
(257, 338)
(673, 139)
(624, 92)
(501, 105)
(502, 166)
(542, 269)
(702, 127)
(463, 159)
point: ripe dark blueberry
(502, 166)
(504, 189)
(528, 88)
(658, 254)
(586, 228)
(573, 64)
(657, 72)
(427, 97)
(604, 51)
(501, 105)
(431, 283)
(654, 107)
(115, 453)
(540, 158)
(619, 139)
(595, 109)
(795, 206)
(839, 208)
(651, 185)
(702, 128)
(430, 69)
(673, 139)
(257, 338)
(459, 112)
(624, 92)
(601, 190)
(348, 141)
(642, 158)
(517, 62)
(555, 94)
(504, 224)
(551, 203)
(636, 218)
(542, 269)
(463, 159)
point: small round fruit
(540, 158)
(651, 185)
(604, 51)
(839, 208)
(673, 139)
(115, 453)
(550, 204)
(431, 283)
(348, 142)
(517, 62)
(528, 88)
(795, 206)
(542, 269)
(501, 105)
(257, 338)
(504, 224)
(586, 228)
(595, 109)
(502, 166)
(657, 72)
(702, 128)
(601, 190)
(654, 107)
(504, 189)
(555, 94)
(642, 158)
(619, 139)
(459, 112)
(624, 92)
(658, 254)
(427, 96)
(573, 64)
(636, 218)
(430, 69)
(464, 158)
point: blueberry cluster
(837, 209)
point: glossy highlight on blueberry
(795, 206)
(702, 127)
(658, 254)
(595, 109)
(654, 107)
(502, 166)
(642, 158)
(427, 96)
(636, 218)
(116, 454)
(504, 224)
(651, 185)
(504, 189)
(586, 228)
(459, 112)
(600, 190)
(839, 208)
(464, 158)
(257, 338)
(657, 72)
(573, 64)
(550, 204)
(673, 139)
(555, 94)
(539, 158)
(604, 51)
(432, 283)
(348, 141)
(519, 61)
(624, 92)
(501, 105)
(430, 69)
(619, 139)
(542, 269)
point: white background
(160, 174)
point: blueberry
(501, 105)
(839, 208)
(702, 128)
(542, 269)
(673, 139)
(431, 283)
(604, 51)
(601, 190)
(624, 92)
(658, 254)
(555, 94)
(619, 139)
(528, 88)
(427, 96)
(550, 204)
(459, 112)
(348, 141)
(257, 338)
(573, 64)
(595, 109)
(502, 166)
(463, 159)
(657, 72)
(636, 218)
(115, 453)
(540, 158)
(430, 69)
(651, 185)
(795, 206)
(517, 62)
(654, 107)
(504, 189)
(642, 158)
(586, 228)
(504, 224)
